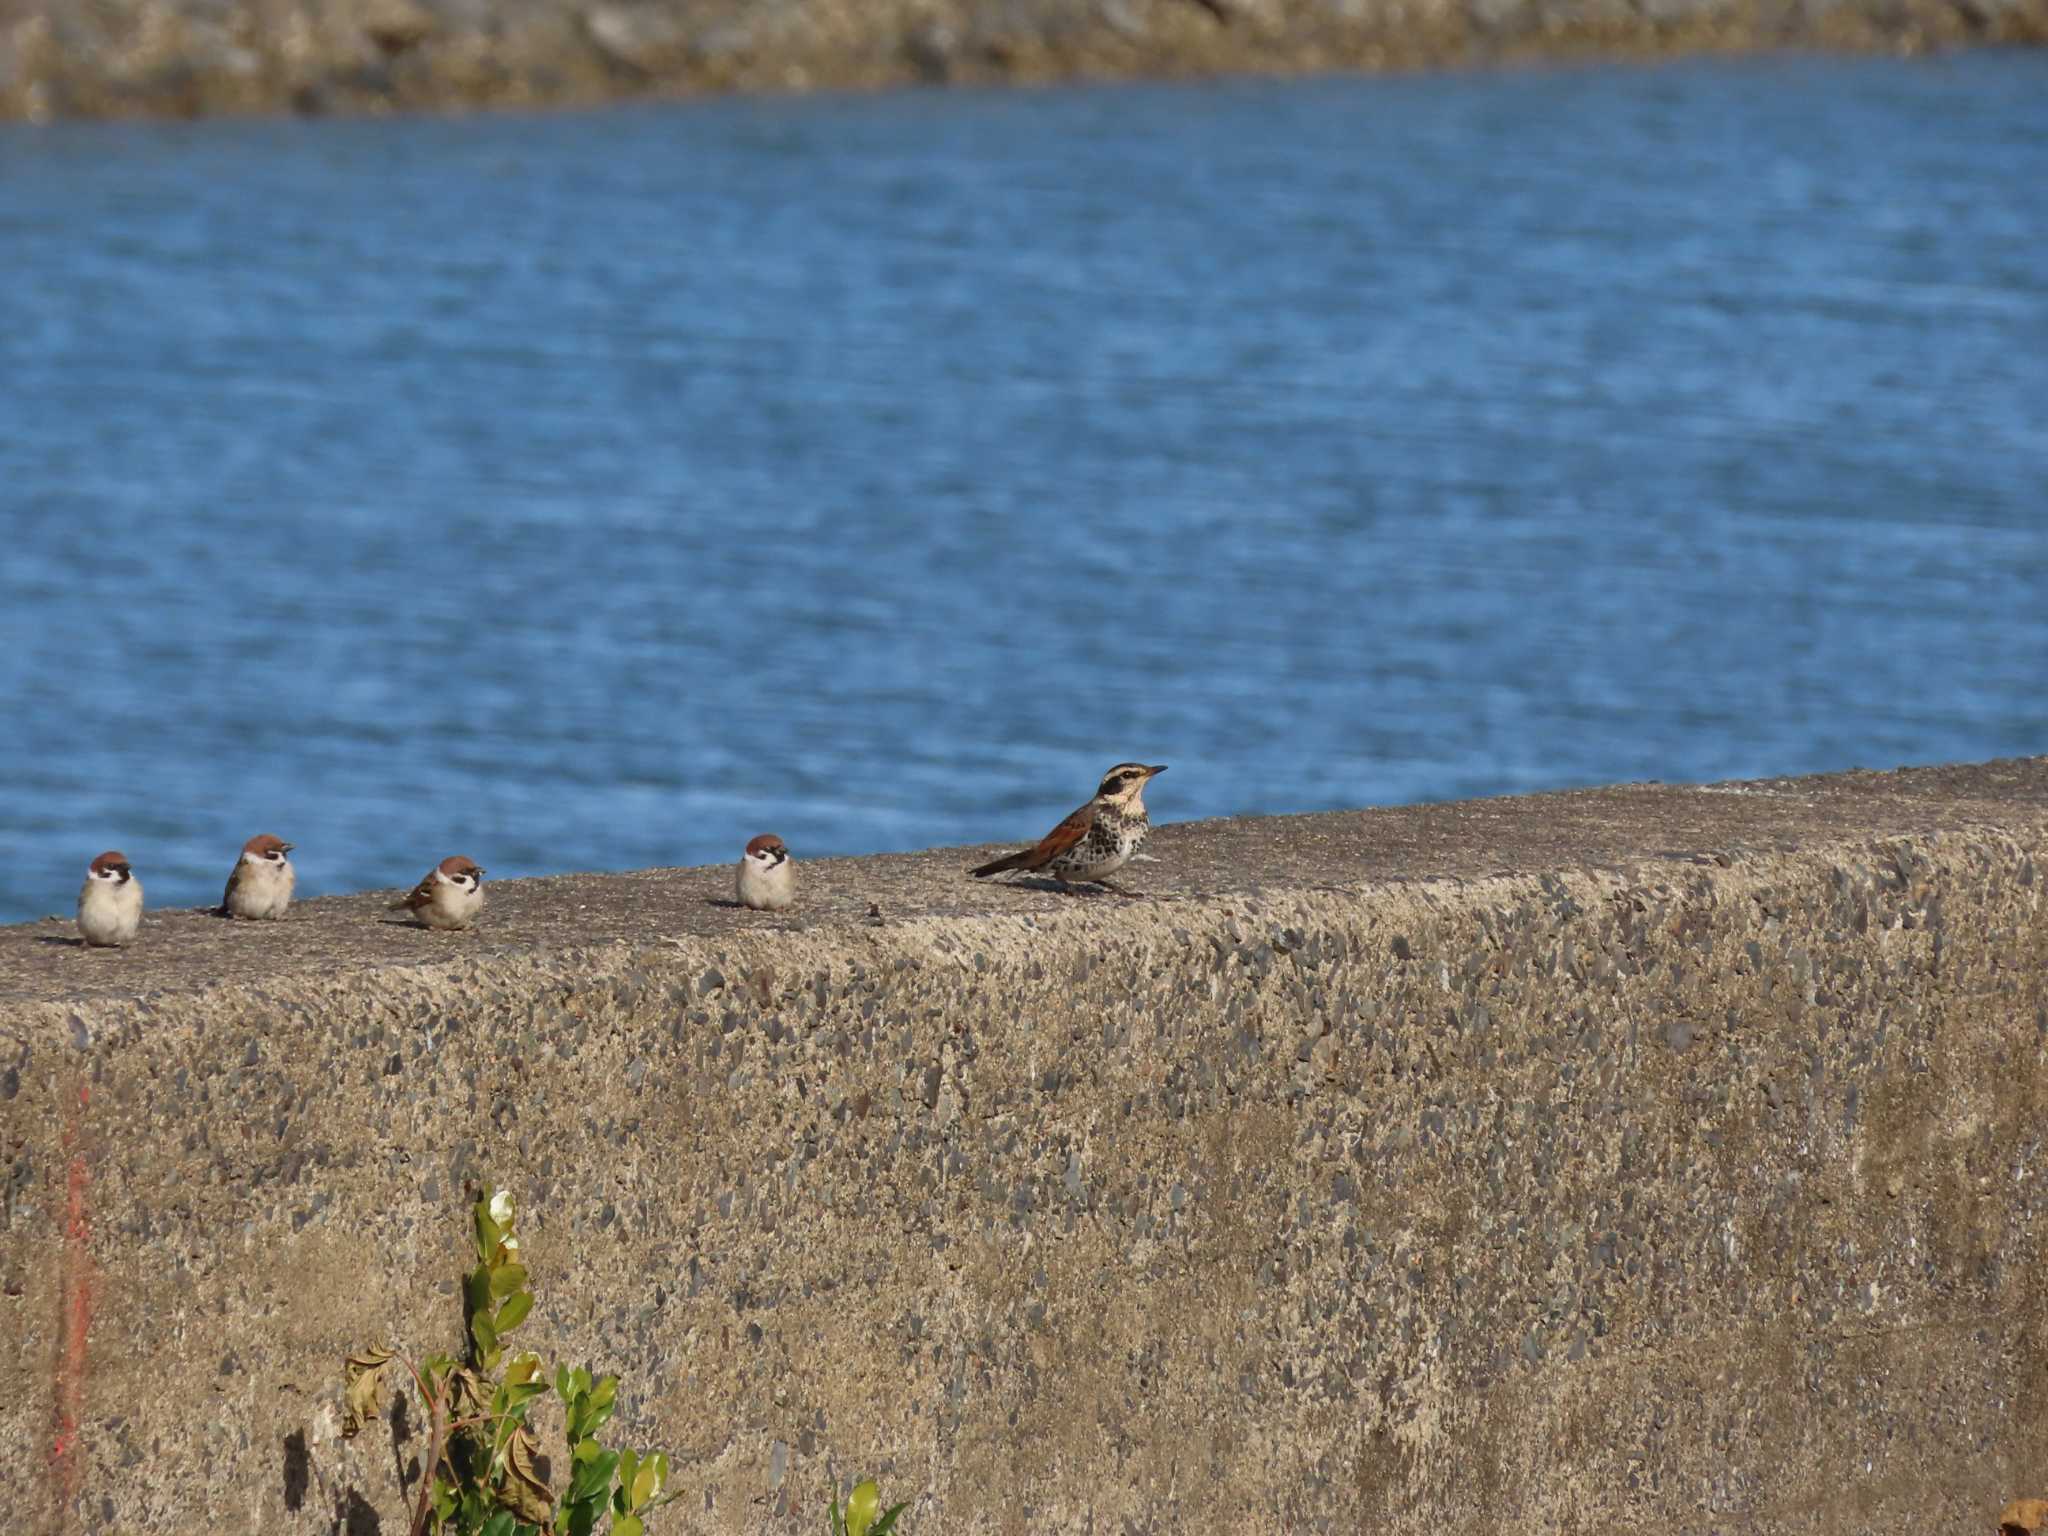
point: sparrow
(767, 879)
(450, 896)
(110, 901)
(260, 884)
(1098, 839)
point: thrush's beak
(1157, 768)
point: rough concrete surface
(72, 58)
(1641, 1158)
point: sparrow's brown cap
(455, 864)
(111, 862)
(767, 842)
(263, 843)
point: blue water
(597, 491)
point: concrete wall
(1649, 1157)
(61, 58)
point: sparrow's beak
(1157, 768)
(287, 847)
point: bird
(1097, 840)
(767, 878)
(449, 896)
(110, 902)
(260, 884)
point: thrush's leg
(1111, 885)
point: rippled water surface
(595, 491)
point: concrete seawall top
(190, 950)
(1645, 1157)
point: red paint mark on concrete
(74, 1324)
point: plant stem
(437, 1438)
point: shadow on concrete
(1086, 888)
(353, 1516)
(298, 1470)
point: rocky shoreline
(190, 58)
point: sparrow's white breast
(767, 889)
(109, 912)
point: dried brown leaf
(524, 1487)
(363, 1385)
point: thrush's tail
(1012, 861)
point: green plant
(858, 1518)
(484, 1473)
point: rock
(396, 26)
(641, 38)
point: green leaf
(506, 1279)
(838, 1521)
(517, 1398)
(646, 1483)
(513, 1313)
(485, 1335)
(883, 1525)
(627, 1525)
(524, 1369)
(861, 1505)
(629, 1463)
(488, 1233)
(598, 1406)
(503, 1523)
(593, 1476)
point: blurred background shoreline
(64, 59)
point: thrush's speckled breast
(1114, 834)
